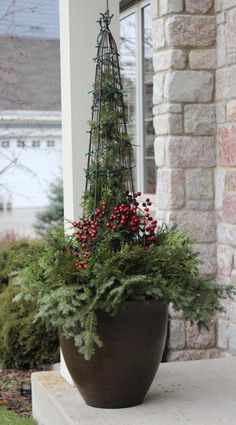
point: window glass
(137, 75)
(128, 73)
(149, 135)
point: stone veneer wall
(226, 169)
(184, 35)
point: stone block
(200, 338)
(225, 259)
(223, 280)
(202, 59)
(232, 81)
(217, 5)
(235, 258)
(158, 88)
(227, 4)
(155, 9)
(222, 334)
(200, 119)
(191, 152)
(198, 6)
(200, 205)
(227, 234)
(222, 84)
(229, 208)
(189, 86)
(168, 124)
(219, 187)
(231, 110)
(225, 304)
(227, 145)
(165, 108)
(170, 6)
(159, 148)
(176, 335)
(186, 355)
(230, 181)
(169, 59)
(232, 312)
(188, 30)
(220, 18)
(200, 225)
(199, 184)
(231, 59)
(233, 277)
(158, 34)
(170, 189)
(220, 112)
(207, 257)
(232, 339)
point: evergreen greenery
(13, 257)
(116, 252)
(53, 216)
(69, 298)
(24, 344)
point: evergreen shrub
(13, 257)
(53, 216)
(24, 344)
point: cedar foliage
(69, 298)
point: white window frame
(36, 144)
(21, 144)
(5, 144)
(51, 144)
(136, 8)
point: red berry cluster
(129, 218)
(87, 232)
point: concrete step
(192, 393)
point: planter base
(120, 373)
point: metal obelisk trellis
(110, 151)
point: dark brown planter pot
(120, 374)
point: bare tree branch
(10, 89)
(13, 162)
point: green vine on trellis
(110, 157)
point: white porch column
(78, 31)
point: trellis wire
(107, 62)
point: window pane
(128, 73)
(149, 134)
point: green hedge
(13, 257)
(24, 344)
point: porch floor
(195, 392)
